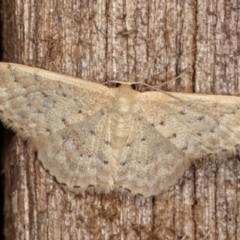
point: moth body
(121, 118)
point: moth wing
(80, 156)
(35, 102)
(150, 162)
(196, 124)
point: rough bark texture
(137, 40)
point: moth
(88, 135)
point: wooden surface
(143, 41)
